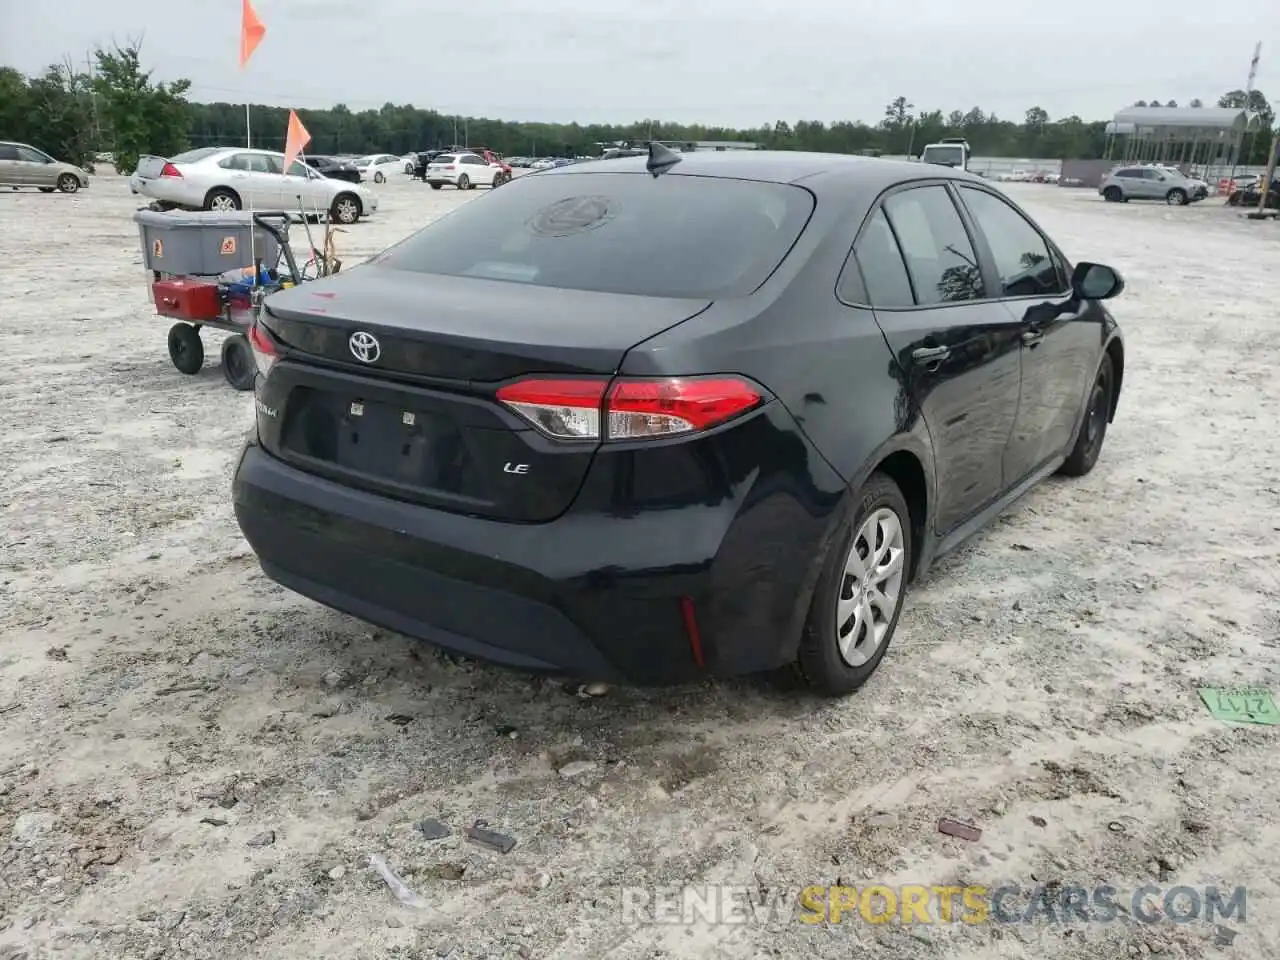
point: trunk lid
(467, 329)
(149, 167)
(419, 421)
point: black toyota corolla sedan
(673, 416)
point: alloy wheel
(871, 588)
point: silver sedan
(231, 178)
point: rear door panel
(957, 354)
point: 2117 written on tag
(1241, 704)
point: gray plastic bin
(203, 244)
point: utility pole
(90, 73)
(1248, 106)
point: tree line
(119, 108)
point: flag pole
(252, 30)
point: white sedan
(378, 166)
(236, 178)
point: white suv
(461, 170)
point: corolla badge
(364, 346)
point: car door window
(297, 169)
(237, 161)
(31, 156)
(8, 151)
(259, 163)
(935, 245)
(1021, 255)
(877, 268)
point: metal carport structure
(1200, 137)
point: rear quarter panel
(828, 363)
(829, 366)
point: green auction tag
(1241, 704)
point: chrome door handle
(930, 354)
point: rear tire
(1112, 195)
(1093, 429)
(346, 208)
(185, 349)
(47, 189)
(464, 182)
(222, 199)
(379, 177)
(238, 365)
(436, 186)
(1177, 197)
(855, 611)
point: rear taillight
(590, 409)
(449, 167)
(169, 170)
(264, 351)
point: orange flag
(252, 30)
(295, 140)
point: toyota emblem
(365, 347)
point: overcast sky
(734, 62)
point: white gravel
(162, 704)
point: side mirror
(1096, 281)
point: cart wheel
(185, 349)
(238, 365)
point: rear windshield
(199, 153)
(944, 154)
(670, 236)
(444, 158)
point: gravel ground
(195, 763)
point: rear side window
(883, 272)
(935, 246)
(8, 151)
(1022, 256)
(669, 236)
(191, 156)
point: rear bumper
(597, 593)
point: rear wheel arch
(1115, 350)
(905, 469)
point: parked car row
(1025, 176)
